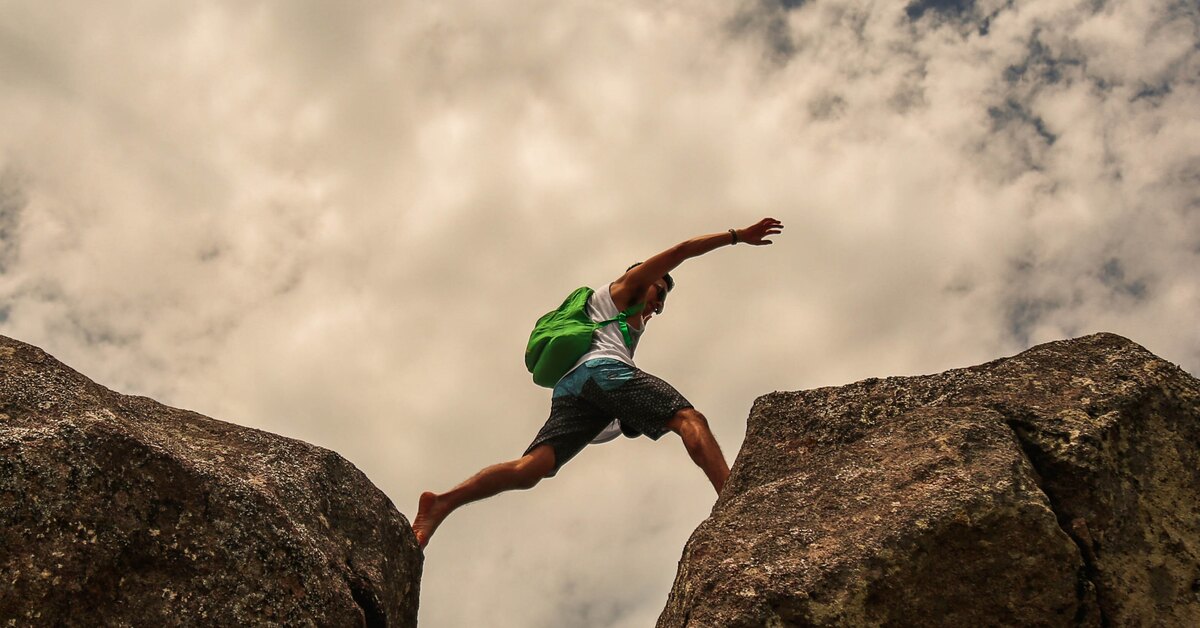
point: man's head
(655, 296)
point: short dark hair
(670, 282)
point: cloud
(951, 8)
(339, 223)
(12, 202)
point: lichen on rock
(1058, 487)
(118, 510)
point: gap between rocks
(364, 597)
(1021, 429)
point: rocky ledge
(1058, 487)
(118, 510)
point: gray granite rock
(1058, 487)
(117, 510)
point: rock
(1059, 487)
(118, 510)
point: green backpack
(563, 336)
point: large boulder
(1059, 487)
(118, 510)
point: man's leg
(522, 473)
(701, 445)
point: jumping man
(604, 394)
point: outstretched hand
(755, 233)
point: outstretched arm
(638, 278)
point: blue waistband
(608, 373)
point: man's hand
(755, 233)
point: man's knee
(536, 465)
(688, 419)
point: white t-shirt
(608, 342)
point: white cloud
(339, 222)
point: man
(604, 384)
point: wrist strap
(733, 232)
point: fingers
(765, 227)
(772, 230)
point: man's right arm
(637, 279)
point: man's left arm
(663, 263)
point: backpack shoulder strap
(620, 321)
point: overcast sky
(339, 221)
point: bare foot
(429, 515)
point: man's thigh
(643, 402)
(573, 423)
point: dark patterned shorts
(600, 390)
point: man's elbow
(670, 259)
(684, 251)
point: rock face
(1059, 487)
(118, 510)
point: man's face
(656, 297)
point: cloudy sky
(338, 222)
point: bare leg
(522, 473)
(701, 445)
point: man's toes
(425, 522)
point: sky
(339, 221)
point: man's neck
(638, 321)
